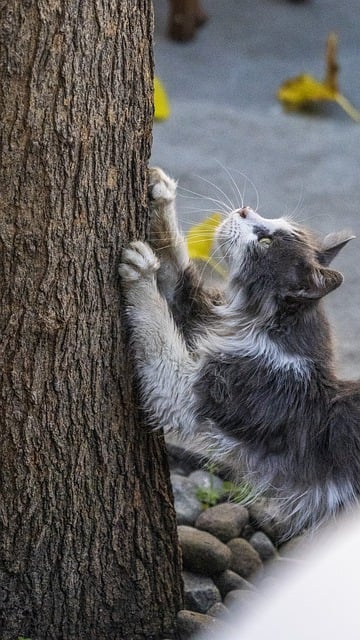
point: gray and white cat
(248, 372)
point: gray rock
(225, 521)
(202, 552)
(244, 559)
(200, 592)
(189, 623)
(187, 506)
(248, 531)
(218, 610)
(229, 581)
(183, 456)
(296, 545)
(178, 471)
(278, 567)
(239, 598)
(262, 517)
(263, 545)
(206, 480)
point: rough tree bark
(87, 527)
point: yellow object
(161, 101)
(200, 239)
(303, 90)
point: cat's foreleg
(166, 239)
(164, 366)
(191, 303)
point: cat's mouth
(235, 233)
(243, 228)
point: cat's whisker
(315, 216)
(216, 201)
(234, 185)
(194, 240)
(186, 222)
(252, 184)
(199, 197)
(292, 216)
(203, 267)
(205, 234)
(201, 211)
(212, 184)
(214, 257)
(201, 238)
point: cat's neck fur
(279, 334)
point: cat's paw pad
(162, 189)
(138, 261)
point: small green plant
(210, 496)
(237, 492)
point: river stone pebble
(278, 567)
(225, 521)
(184, 457)
(229, 580)
(248, 531)
(218, 610)
(295, 546)
(239, 598)
(178, 471)
(189, 623)
(223, 548)
(187, 506)
(263, 545)
(244, 559)
(206, 480)
(202, 552)
(200, 592)
(262, 517)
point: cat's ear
(331, 245)
(321, 282)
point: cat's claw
(138, 261)
(162, 189)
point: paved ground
(225, 117)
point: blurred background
(227, 126)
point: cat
(249, 371)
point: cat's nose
(244, 211)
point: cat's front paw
(162, 189)
(138, 262)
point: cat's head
(278, 257)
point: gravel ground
(229, 550)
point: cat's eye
(265, 241)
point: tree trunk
(88, 545)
